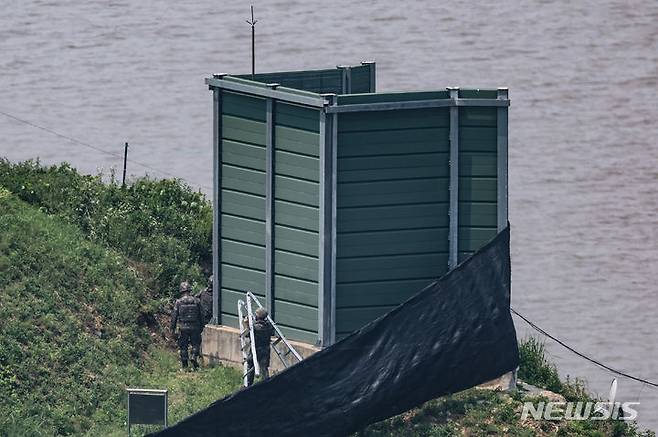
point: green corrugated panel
(393, 142)
(393, 193)
(240, 278)
(465, 93)
(378, 168)
(360, 77)
(393, 242)
(472, 239)
(243, 229)
(243, 155)
(393, 217)
(295, 265)
(381, 293)
(296, 216)
(298, 166)
(317, 81)
(296, 290)
(352, 99)
(398, 119)
(297, 117)
(296, 316)
(478, 116)
(243, 180)
(244, 106)
(244, 205)
(243, 130)
(478, 214)
(243, 254)
(296, 240)
(392, 198)
(297, 141)
(477, 189)
(296, 190)
(229, 319)
(390, 267)
(351, 319)
(478, 164)
(230, 299)
(299, 335)
(477, 139)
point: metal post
(373, 75)
(253, 44)
(453, 236)
(125, 159)
(269, 202)
(128, 394)
(502, 175)
(217, 200)
(166, 400)
(326, 327)
(334, 215)
(346, 79)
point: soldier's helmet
(261, 314)
(185, 287)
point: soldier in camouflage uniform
(187, 315)
(205, 297)
(263, 332)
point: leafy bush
(163, 223)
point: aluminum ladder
(281, 346)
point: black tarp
(453, 335)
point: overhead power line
(91, 146)
(580, 354)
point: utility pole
(253, 43)
(125, 159)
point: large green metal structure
(337, 203)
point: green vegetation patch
(163, 226)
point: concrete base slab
(222, 344)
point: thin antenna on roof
(253, 43)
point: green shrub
(162, 223)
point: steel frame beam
(502, 164)
(326, 288)
(269, 203)
(346, 79)
(417, 104)
(218, 81)
(216, 204)
(453, 235)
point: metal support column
(216, 203)
(269, 203)
(373, 76)
(326, 310)
(346, 79)
(453, 236)
(501, 140)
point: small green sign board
(147, 407)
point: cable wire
(91, 146)
(598, 363)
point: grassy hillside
(72, 335)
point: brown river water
(583, 134)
